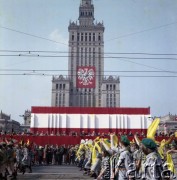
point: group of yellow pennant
(94, 147)
(151, 134)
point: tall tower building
(86, 85)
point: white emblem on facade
(85, 75)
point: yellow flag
(94, 155)
(115, 140)
(90, 147)
(162, 145)
(107, 142)
(94, 152)
(175, 134)
(81, 147)
(98, 147)
(152, 128)
(170, 163)
(96, 139)
(161, 148)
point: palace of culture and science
(86, 85)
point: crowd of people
(83, 133)
(102, 158)
(19, 157)
(125, 159)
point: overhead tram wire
(119, 58)
(122, 76)
(140, 64)
(142, 31)
(28, 34)
(30, 54)
(123, 36)
(115, 57)
(130, 34)
(66, 52)
(105, 57)
(62, 70)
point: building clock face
(86, 77)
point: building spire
(86, 2)
(86, 13)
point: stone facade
(85, 85)
(168, 124)
(7, 125)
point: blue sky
(131, 26)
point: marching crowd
(20, 157)
(144, 159)
(102, 158)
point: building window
(85, 36)
(93, 36)
(81, 60)
(72, 37)
(90, 37)
(89, 60)
(78, 37)
(56, 86)
(82, 37)
(99, 37)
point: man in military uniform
(105, 166)
(113, 161)
(26, 160)
(2, 161)
(173, 152)
(125, 159)
(152, 167)
(19, 156)
(10, 159)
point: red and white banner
(86, 77)
(58, 119)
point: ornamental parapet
(111, 79)
(60, 78)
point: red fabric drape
(53, 140)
